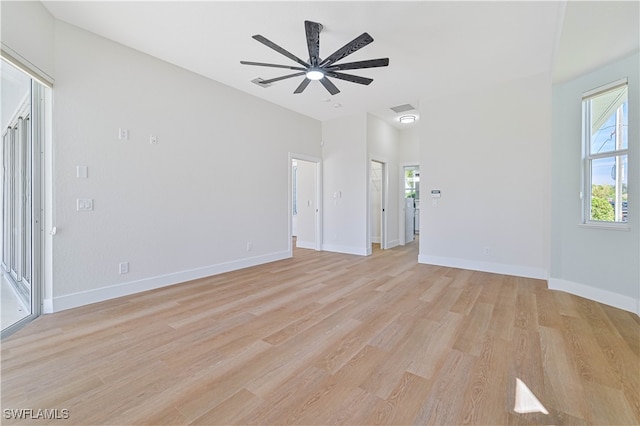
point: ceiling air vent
(259, 81)
(402, 108)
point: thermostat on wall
(435, 193)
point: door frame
(318, 199)
(384, 191)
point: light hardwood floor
(326, 338)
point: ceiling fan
(322, 69)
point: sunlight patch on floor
(526, 401)
(12, 308)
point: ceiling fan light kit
(407, 119)
(321, 69)
(315, 74)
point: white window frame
(588, 157)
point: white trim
(393, 243)
(612, 226)
(47, 306)
(336, 248)
(74, 300)
(600, 155)
(493, 267)
(14, 58)
(605, 88)
(597, 294)
(306, 244)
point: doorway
(378, 204)
(305, 206)
(20, 215)
(411, 201)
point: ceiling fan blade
(302, 86)
(262, 64)
(356, 44)
(371, 63)
(351, 78)
(331, 88)
(279, 49)
(312, 29)
(273, 80)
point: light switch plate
(84, 204)
(82, 172)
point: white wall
(183, 208)
(488, 152)
(382, 145)
(409, 144)
(595, 263)
(27, 35)
(345, 165)
(307, 204)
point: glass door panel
(17, 197)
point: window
(412, 182)
(605, 130)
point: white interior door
(409, 225)
(305, 189)
(377, 203)
(306, 204)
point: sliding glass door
(20, 217)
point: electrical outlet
(123, 268)
(249, 246)
(123, 134)
(486, 250)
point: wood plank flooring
(326, 338)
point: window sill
(609, 226)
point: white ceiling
(435, 48)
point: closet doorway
(378, 204)
(411, 202)
(305, 213)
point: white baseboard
(306, 244)
(476, 265)
(393, 243)
(360, 251)
(47, 306)
(75, 300)
(597, 294)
